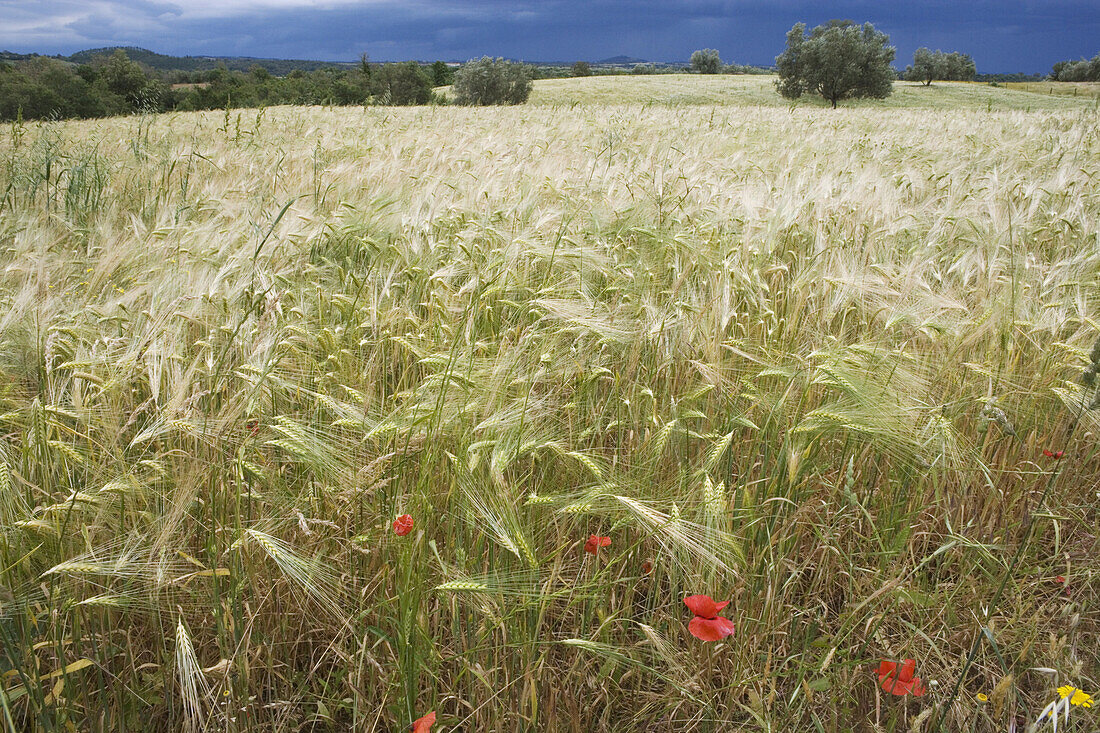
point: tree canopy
(1077, 70)
(401, 83)
(706, 61)
(45, 88)
(492, 81)
(838, 60)
(929, 66)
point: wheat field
(803, 360)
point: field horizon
(824, 364)
(758, 90)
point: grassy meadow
(800, 359)
(759, 91)
(1069, 88)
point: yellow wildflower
(1080, 697)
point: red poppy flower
(1061, 579)
(647, 567)
(1055, 454)
(595, 542)
(253, 426)
(707, 624)
(424, 724)
(900, 681)
(403, 525)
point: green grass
(803, 360)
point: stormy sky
(1001, 35)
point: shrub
(492, 81)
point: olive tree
(1077, 70)
(492, 81)
(838, 60)
(706, 61)
(936, 65)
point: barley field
(759, 91)
(802, 360)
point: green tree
(87, 73)
(492, 81)
(581, 68)
(961, 67)
(403, 83)
(706, 61)
(42, 87)
(442, 75)
(1078, 70)
(929, 66)
(924, 68)
(121, 76)
(838, 60)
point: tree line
(1077, 70)
(842, 60)
(41, 87)
(704, 61)
(929, 66)
(837, 60)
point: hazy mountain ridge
(165, 62)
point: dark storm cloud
(1008, 35)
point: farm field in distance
(803, 360)
(759, 91)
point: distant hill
(162, 62)
(12, 56)
(622, 60)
